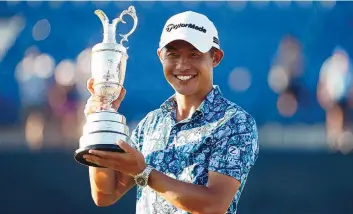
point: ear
(217, 57)
(159, 54)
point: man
(193, 154)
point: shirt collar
(206, 106)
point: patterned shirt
(220, 136)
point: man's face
(186, 69)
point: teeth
(184, 77)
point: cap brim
(198, 43)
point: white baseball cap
(191, 27)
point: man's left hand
(132, 162)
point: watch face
(141, 181)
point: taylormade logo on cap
(192, 27)
(170, 27)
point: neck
(187, 105)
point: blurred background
(288, 63)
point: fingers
(116, 103)
(107, 155)
(122, 94)
(101, 161)
(115, 155)
(90, 83)
(132, 162)
(126, 147)
(93, 104)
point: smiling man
(194, 153)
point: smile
(184, 78)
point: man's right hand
(94, 103)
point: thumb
(125, 146)
(116, 103)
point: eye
(195, 54)
(171, 54)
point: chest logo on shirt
(233, 150)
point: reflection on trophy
(104, 128)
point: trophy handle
(132, 12)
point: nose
(183, 64)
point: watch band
(148, 170)
(142, 178)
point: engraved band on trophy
(104, 128)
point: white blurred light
(237, 5)
(23, 70)
(332, 74)
(272, 134)
(278, 79)
(41, 30)
(43, 66)
(83, 72)
(34, 63)
(27, 63)
(239, 79)
(34, 130)
(9, 31)
(84, 62)
(65, 73)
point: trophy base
(101, 132)
(101, 147)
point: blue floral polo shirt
(220, 136)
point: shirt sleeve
(235, 149)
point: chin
(186, 91)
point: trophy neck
(109, 33)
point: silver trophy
(104, 128)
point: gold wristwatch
(142, 178)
